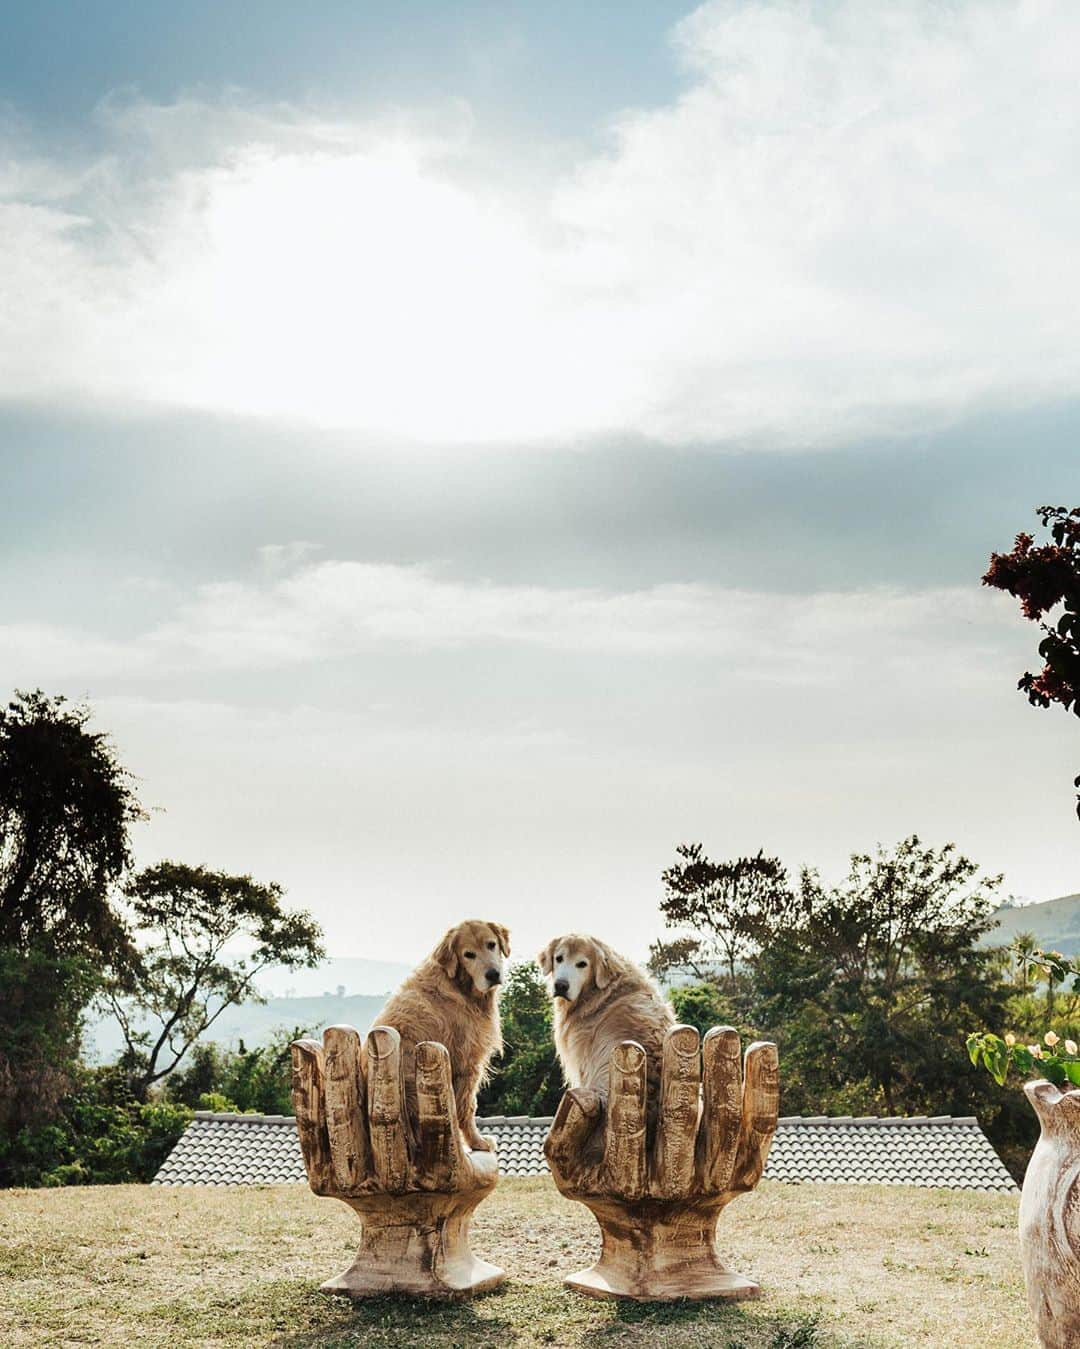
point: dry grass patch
(841, 1265)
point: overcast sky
(462, 451)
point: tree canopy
(190, 920)
(527, 1079)
(66, 805)
(722, 910)
(876, 979)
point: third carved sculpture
(658, 1192)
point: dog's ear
(445, 954)
(603, 966)
(546, 958)
(502, 935)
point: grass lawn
(840, 1265)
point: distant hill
(1055, 923)
(254, 1023)
(354, 974)
(344, 989)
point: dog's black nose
(493, 977)
(562, 987)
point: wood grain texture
(412, 1181)
(658, 1200)
(1050, 1217)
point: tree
(66, 804)
(527, 1079)
(877, 979)
(1041, 578)
(729, 907)
(702, 1006)
(187, 919)
(42, 1000)
(219, 1078)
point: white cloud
(857, 218)
(328, 610)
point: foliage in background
(42, 1000)
(877, 978)
(187, 917)
(98, 1135)
(1041, 578)
(241, 1079)
(65, 807)
(868, 987)
(722, 911)
(527, 1078)
(702, 1006)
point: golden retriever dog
(452, 998)
(601, 998)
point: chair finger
(760, 1106)
(721, 1108)
(310, 1111)
(677, 1119)
(346, 1107)
(386, 1110)
(576, 1118)
(438, 1158)
(623, 1168)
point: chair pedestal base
(656, 1251)
(415, 1244)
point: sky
(461, 452)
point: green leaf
(1072, 1071)
(1053, 1071)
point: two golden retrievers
(601, 999)
(452, 998)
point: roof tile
(942, 1152)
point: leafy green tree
(188, 920)
(722, 912)
(702, 1006)
(527, 1079)
(99, 1135)
(42, 1001)
(66, 805)
(241, 1079)
(878, 979)
(1041, 578)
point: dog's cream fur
(609, 1000)
(449, 999)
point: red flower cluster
(1041, 578)
(1038, 577)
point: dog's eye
(581, 964)
(491, 946)
(470, 955)
(558, 960)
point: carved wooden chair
(658, 1206)
(412, 1182)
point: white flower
(1010, 1039)
(1050, 1038)
(1035, 1051)
(1070, 1046)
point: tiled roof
(940, 1152)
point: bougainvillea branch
(1042, 577)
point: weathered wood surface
(412, 1182)
(1050, 1218)
(658, 1194)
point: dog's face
(576, 965)
(474, 954)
